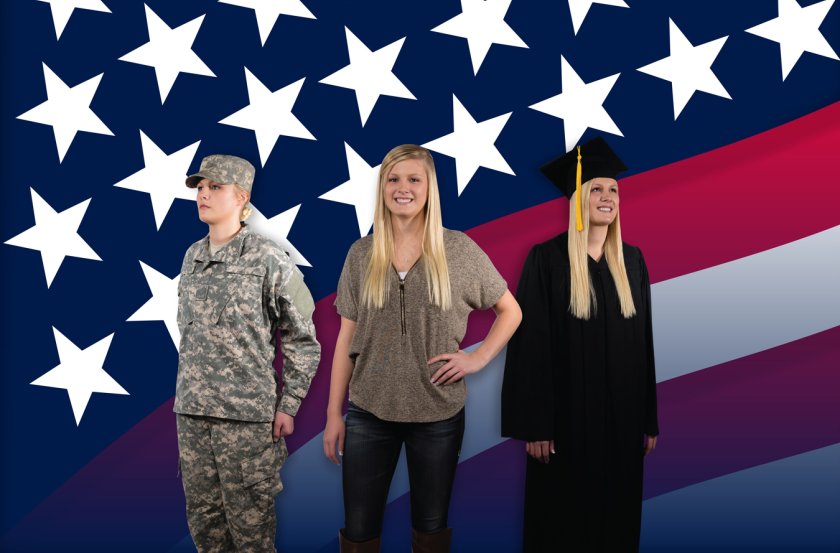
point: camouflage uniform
(230, 307)
(230, 474)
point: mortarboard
(588, 161)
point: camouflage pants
(230, 471)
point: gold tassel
(579, 215)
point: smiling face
(406, 188)
(219, 203)
(603, 201)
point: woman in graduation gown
(579, 384)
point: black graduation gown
(591, 387)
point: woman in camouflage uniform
(236, 290)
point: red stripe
(723, 205)
(747, 412)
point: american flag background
(726, 112)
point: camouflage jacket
(230, 306)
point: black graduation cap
(588, 161)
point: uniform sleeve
(187, 267)
(346, 297)
(486, 285)
(651, 415)
(528, 385)
(291, 305)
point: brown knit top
(391, 346)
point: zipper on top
(402, 307)
(403, 329)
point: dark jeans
(371, 450)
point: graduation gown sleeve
(651, 419)
(528, 398)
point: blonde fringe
(582, 302)
(377, 282)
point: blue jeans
(371, 451)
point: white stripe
(746, 306)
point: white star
(55, 235)
(472, 144)
(797, 30)
(689, 68)
(80, 372)
(163, 176)
(169, 51)
(267, 12)
(277, 229)
(63, 9)
(67, 110)
(579, 9)
(482, 23)
(359, 191)
(369, 74)
(269, 114)
(580, 105)
(163, 305)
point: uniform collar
(229, 253)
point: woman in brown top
(404, 297)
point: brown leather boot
(347, 546)
(438, 542)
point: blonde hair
(582, 302)
(248, 208)
(377, 282)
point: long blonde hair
(582, 302)
(377, 281)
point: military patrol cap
(224, 169)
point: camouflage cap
(224, 169)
